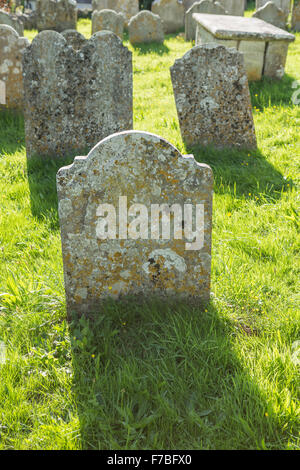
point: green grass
(157, 377)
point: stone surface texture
(252, 36)
(74, 98)
(108, 20)
(145, 27)
(271, 14)
(13, 21)
(171, 12)
(146, 170)
(284, 5)
(212, 98)
(74, 38)
(57, 15)
(296, 16)
(234, 7)
(11, 48)
(204, 6)
(129, 8)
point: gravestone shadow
(270, 92)
(139, 369)
(12, 135)
(157, 48)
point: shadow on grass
(12, 134)
(41, 174)
(155, 376)
(242, 173)
(271, 92)
(157, 48)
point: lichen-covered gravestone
(11, 48)
(145, 27)
(296, 16)
(57, 15)
(282, 4)
(74, 98)
(171, 12)
(13, 21)
(272, 14)
(108, 20)
(129, 8)
(233, 7)
(135, 218)
(204, 6)
(74, 38)
(212, 98)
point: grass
(159, 377)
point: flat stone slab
(238, 27)
(136, 219)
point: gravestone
(296, 16)
(73, 98)
(145, 27)
(282, 4)
(129, 8)
(11, 48)
(271, 14)
(171, 12)
(108, 20)
(57, 15)
(212, 98)
(204, 6)
(74, 38)
(135, 218)
(13, 21)
(233, 7)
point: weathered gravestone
(135, 218)
(108, 20)
(233, 7)
(204, 6)
(57, 15)
(212, 98)
(73, 98)
(296, 16)
(13, 21)
(11, 48)
(282, 4)
(171, 12)
(74, 38)
(129, 8)
(145, 27)
(271, 14)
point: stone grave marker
(271, 14)
(282, 4)
(171, 12)
(13, 21)
(74, 38)
(296, 16)
(57, 15)
(204, 6)
(129, 8)
(11, 48)
(108, 20)
(233, 7)
(145, 27)
(135, 218)
(212, 98)
(74, 98)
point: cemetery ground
(152, 376)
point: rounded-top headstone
(145, 27)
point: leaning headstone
(145, 27)
(135, 218)
(108, 20)
(282, 4)
(171, 12)
(296, 16)
(74, 38)
(13, 21)
(212, 98)
(129, 8)
(204, 6)
(271, 14)
(233, 7)
(57, 15)
(73, 98)
(11, 48)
